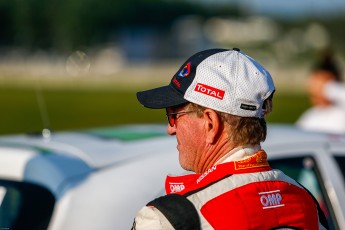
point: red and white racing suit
(240, 192)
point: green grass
(78, 109)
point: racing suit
(241, 191)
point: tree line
(63, 25)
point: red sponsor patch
(258, 160)
(210, 91)
(176, 82)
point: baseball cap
(225, 80)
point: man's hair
(244, 130)
(328, 63)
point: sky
(288, 9)
(297, 8)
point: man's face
(316, 83)
(190, 136)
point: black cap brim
(159, 98)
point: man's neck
(239, 153)
(225, 153)
(213, 153)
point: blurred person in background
(216, 105)
(327, 96)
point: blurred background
(77, 64)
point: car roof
(96, 147)
(101, 147)
(288, 138)
(92, 149)
(75, 154)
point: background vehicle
(100, 178)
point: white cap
(228, 81)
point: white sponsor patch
(176, 187)
(206, 173)
(271, 199)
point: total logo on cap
(210, 91)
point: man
(215, 104)
(322, 85)
(327, 95)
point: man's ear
(212, 125)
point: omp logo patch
(271, 199)
(210, 91)
(176, 187)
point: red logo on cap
(185, 71)
(210, 91)
(176, 82)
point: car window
(341, 163)
(24, 205)
(304, 170)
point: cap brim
(159, 98)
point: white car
(100, 178)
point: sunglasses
(172, 117)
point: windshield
(24, 204)
(305, 171)
(341, 163)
